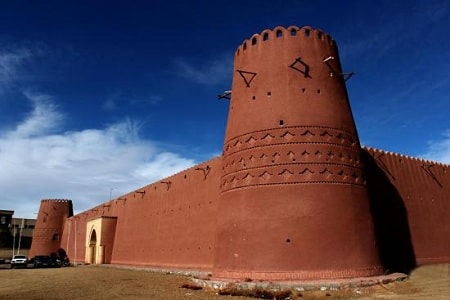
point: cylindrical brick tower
(49, 226)
(293, 202)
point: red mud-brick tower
(293, 203)
(50, 225)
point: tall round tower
(293, 202)
(50, 225)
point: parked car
(19, 261)
(44, 261)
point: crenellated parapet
(430, 177)
(376, 153)
(56, 200)
(279, 34)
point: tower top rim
(281, 33)
(56, 200)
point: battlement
(56, 200)
(280, 34)
(377, 152)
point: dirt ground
(99, 282)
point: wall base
(307, 285)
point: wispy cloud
(43, 119)
(432, 11)
(211, 72)
(439, 150)
(110, 104)
(382, 41)
(120, 99)
(11, 63)
(40, 161)
(391, 29)
(153, 99)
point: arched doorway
(99, 240)
(93, 247)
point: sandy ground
(98, 282)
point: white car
(19, 260)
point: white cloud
(211, 72)
(439, 150)
(39, 161)
(43, 119)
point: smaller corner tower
(50, 225)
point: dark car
(44, 261)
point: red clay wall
(49, 226)
(74, 237)
(108, 236)
(411, 204)
(170, 223)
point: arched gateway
(100, 240)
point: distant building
(16, 232)
(5, 223)
(23, 229)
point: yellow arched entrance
(94, 248)
(99, 240)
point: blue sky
(98, 98)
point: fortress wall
(170, 223)
(412, 198)
(108, 235)
(294, 196)
(74, 236)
